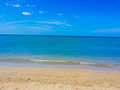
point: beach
(59, 63)
(60, 45)
(34, 78)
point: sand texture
(27, 78)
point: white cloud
(55, 23)
(26, 13)
(107, 31)
(13, 5)
(59, 14)
(16, 5)
(31, 5)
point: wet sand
(28, 78)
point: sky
(60, 17)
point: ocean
(60, 51)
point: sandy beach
(28, 78)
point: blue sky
(60, 17)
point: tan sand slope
(21, 78)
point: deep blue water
(86, 49)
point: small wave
(63, 61)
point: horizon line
(59, 36)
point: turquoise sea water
(60, 50)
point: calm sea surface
(72, 50)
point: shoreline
(41, 63)
(34, 78)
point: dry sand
(26, 78)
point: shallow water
(79, 49)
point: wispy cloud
(15, 22)
(26, 13)
(43, 27)
(13, 5)
(55, 23)
(16, 5)
(7, 4)
(31, 5)
(107, 31)
(23, 27)
(9, 25)
(23, 22)
(41, 12)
